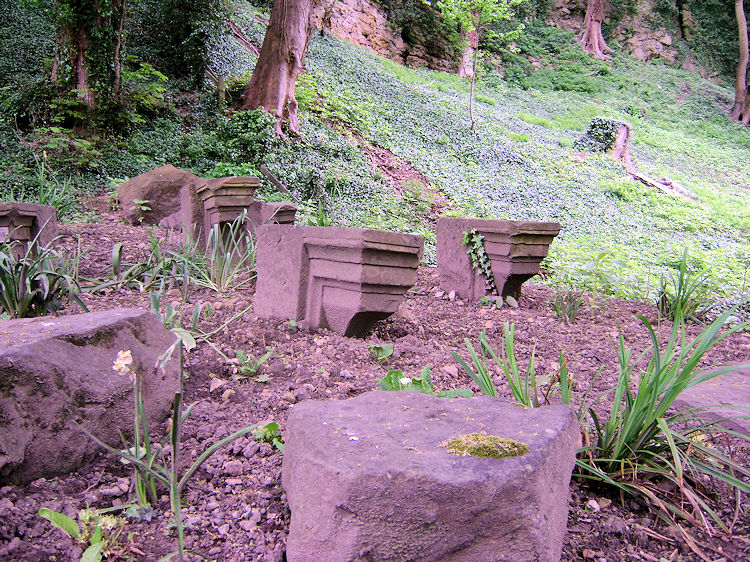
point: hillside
(619, 237)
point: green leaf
(93, 553)
(455, 393)
(61, 521)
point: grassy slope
(520, 164)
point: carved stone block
(515, 248)
(344, 279)
(24, 222)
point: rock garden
(197, 376)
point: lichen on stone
(485, 446)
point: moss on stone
(485, 446)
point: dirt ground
(235, 506)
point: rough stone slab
(162, 188)
(366, 480)
(56, 371)
(731, 392)
(516, 248)
(26, 221)
(344, 279)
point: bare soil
(235, 506)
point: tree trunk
(80, 43)
(466, 68)
(741, 109)
(593, 41)
(280, 62)
(118, 48)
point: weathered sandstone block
(515, 248)
(161, 187)
(345, 279)
(57, 371)
(368, 479)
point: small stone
(452, 370)
(440, 294)
(604, 503)
(249, 451)
(227, 395)
(452, 296)
(289, 397)
(588, 553)
(592, 505)
(223, 530)
(246, 525)
(346, 374)
(214, 551)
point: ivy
(601, 134)
(480, 261)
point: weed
(168, 474)
(380, 352)
(269, 433)
(567, 305)
(97, 533)
(249, 367)
(396, 380)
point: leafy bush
(247, 136)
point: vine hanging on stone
(480, 261)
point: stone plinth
(515, 248)
(224, 199)
(367, 479)
(56, 372)
(344, 279)
(24, 222)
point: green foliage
(640, 447)
(36, 282)
(270, 434)
(480, 371)
(98, 533)
(480, 261)
(380, 352)
(395, 380)
(685, 295)
(247, 136)
(174, 36)
(567, 305)
(600, 135)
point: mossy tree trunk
(593, 40)
(741, 108)
(280, 62)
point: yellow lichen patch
(485, 446)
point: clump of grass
(640, 445)
(567, 305)
(685, 296)
(35, 282)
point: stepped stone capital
(344, 279)
(515, 249)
